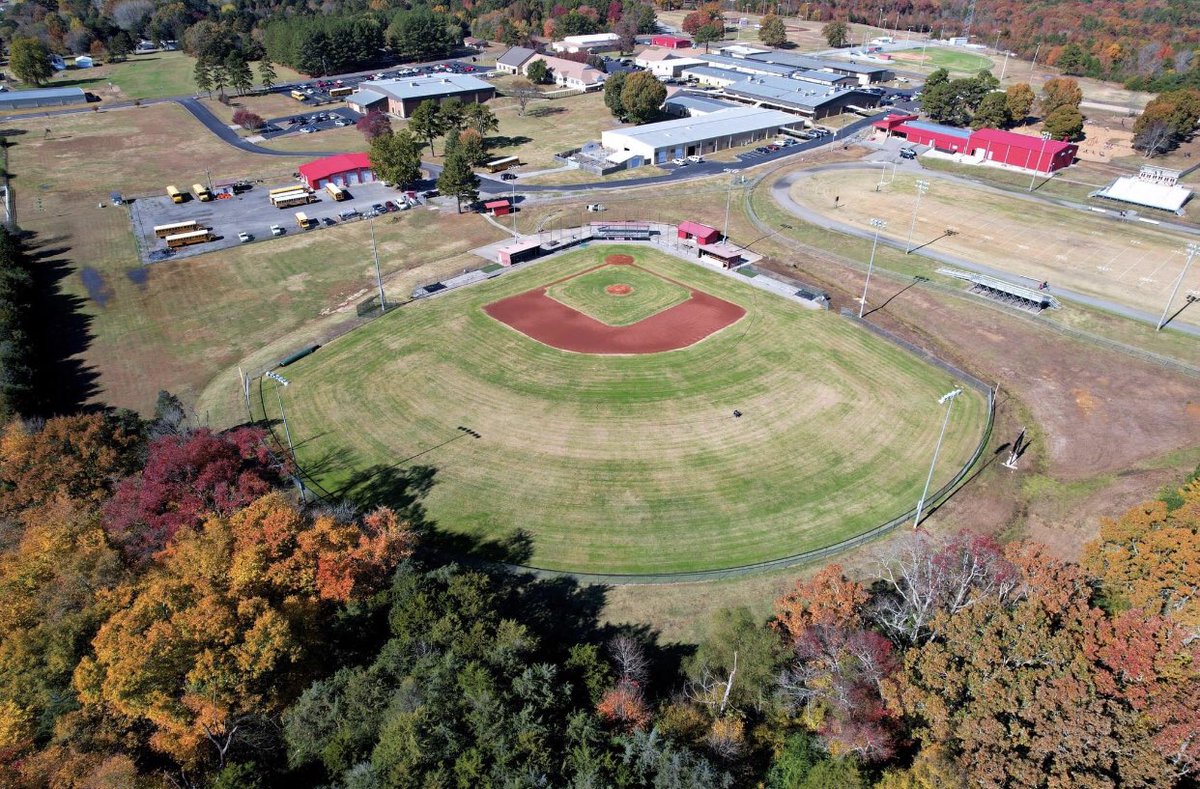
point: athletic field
(1130, 263)
(937, 57)
(629, 463)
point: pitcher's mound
(619, 260)
(618, 290)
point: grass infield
(629, 464)
(618, 295)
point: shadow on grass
(543, 111)
(507, 142)
(61, 331)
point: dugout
(621, 231)
(728, 255)
(519, 251)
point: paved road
(781, 193)
(218, 127)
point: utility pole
(1192, 249)
(1004, 68)
(922, 188)
(1038, 163)
(378, 275)
(512, 207)
(1033, 65)
(291, 449)
(879, 225)
(947, 400)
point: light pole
(1004, 68)
(512, 206)
(922, 188)
(1033, 65)
(288, 434)
(378, 276)
(1038, 163)
(1192, 249)
(947, 400)
(728, 198)
(879, 225)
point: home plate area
(615, 308)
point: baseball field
(626, 459)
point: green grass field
(589, 294)
(629, 464)
(937, 57)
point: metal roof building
(688, 104)
(865, 74)
(344, 169)
(41, 97)
(712, 75)
(809, 99)
(406, 94)
(747, 66)
(512, 60)
(729, 128)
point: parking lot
(308, 118)
(252, 213)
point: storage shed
(698, 233)
(671, 42)
(498, 207)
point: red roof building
(345, 169)
(1022, 150)
(694, 231)
(993, 145)
(671, 42)
(498, 207)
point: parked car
(508, 176)
(307, 130)
(390, 206)
(679, 161)
(245, 237)
(277, 230)
(772, 147)
(340, 122)
(908, 153)
(378, 208)
(696, 159)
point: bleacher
(621, 231)
(1009, 293)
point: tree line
(977, 102)
(18, 350)
(170, 615)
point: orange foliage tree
(220, 633)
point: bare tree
(925, 576)
(1154, 138)
(523, 91)
(131, 14)
(712, 689)
(629, 656)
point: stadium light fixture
(948, 401)
(922, 188)
(1192, 249)
(879, 225)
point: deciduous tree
(523, 91)
(426, 123)
(1020, 99)
(479, 116)
(1065, 123)
(457, 177)
(612, 94)
(992, 113)
(29, 60)
(396, 158)
(220, 633)
(830, 598)
(772, 31)
(539, 73)
(373, 124)
(642, 96)
(185, 479)
(837, 33)
(1060, 92)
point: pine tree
(204, 77)
(457, 177)
(266, 74)
(240, 77)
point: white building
(663, 62)
(656, 143)
(568, 73)
(598, 42)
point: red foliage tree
(248, 120)
(186, 478)
(374, 124)
(624, 707)
(614, 12)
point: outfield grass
(630, 463)
(589, 293)
(937, 57)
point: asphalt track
(781, 193)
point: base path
(553, 323)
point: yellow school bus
(187, 239)
(175, 228)
(175, 195)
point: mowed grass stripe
(588, 293)
(634, 464)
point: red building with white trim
(993, 145)
(345, 169)
(671, 42)
(694, 231)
